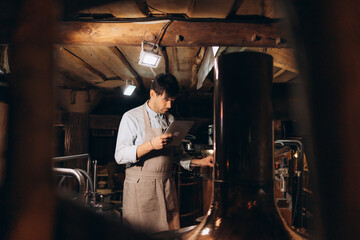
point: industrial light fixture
(129, 88)
(149, 55)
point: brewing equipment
(243, 203)
(87, 190)
(295, 177)
(191, 187)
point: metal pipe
(87, 177)
(95, 175)
(88, 181)
(73, 173)
(297, 204)
(77, 156)
(71, 157)
(295, 142)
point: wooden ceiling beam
(122, 57)
(86, 65)
(179, 33)
(278, 73)
(143, 7)
(283, 58)
(166, 59)
(284, 76)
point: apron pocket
(146, 193)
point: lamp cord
(163, 30)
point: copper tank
(243, 201)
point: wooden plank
(284, 76)
(65, 79)
(96, 57)
(266, 8)
(283, 58)
(173, 6)
(251, 7)
(84, 64)
(110, 84)
(68, 64)
(110, 122)
(193, 33)
(116, 51)
(105, 61)
(279, 72)
(121, 9)
(107, 58)
(76, 137)
(209, 9)
(143, 7)
(181, 61)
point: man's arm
(156, 143)
(204, 162)
(125, 151)
(188, 163)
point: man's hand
(161, 141)
(204, 162)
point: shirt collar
(152, 113)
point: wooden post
(76, 137)
(4, 99)
(29, 192)
(327, 42)
(3, 130)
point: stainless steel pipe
(73, 173)
(78, 156)
(71, 157)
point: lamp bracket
(154, 47)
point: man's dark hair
(165, 82)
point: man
(149, 196)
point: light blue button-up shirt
(131, 134)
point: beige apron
(149, 199)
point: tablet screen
(179, 129)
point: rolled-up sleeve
(125, 151)
(182, 158)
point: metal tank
(243, 201)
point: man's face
(161, 103)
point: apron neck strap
(146, 116)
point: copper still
(243, 201)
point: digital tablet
(179, 129)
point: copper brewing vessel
(243, 201)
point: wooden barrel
(190, 197)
